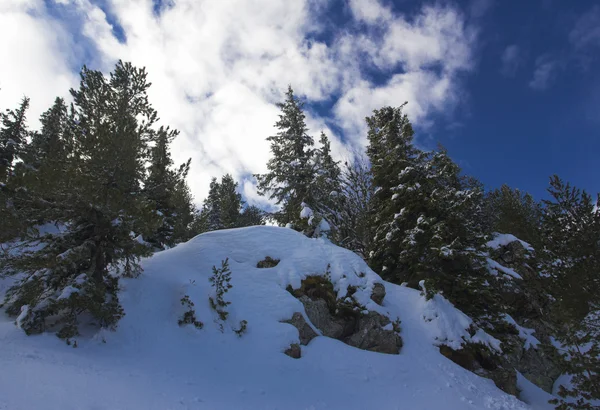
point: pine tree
(13, 137)
(290, 171)
(424, 218)
(76, 270)
(168, 193)
(221, 209)
(251, 216)
(390, 152)
(325, 188)
(230, 202)
(570, 257)
(512, 211)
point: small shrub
(189, 316)
(220, 281)
(242, 329)
(267, 262)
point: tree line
(100, 169)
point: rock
(538, 365)
(318, 313)
(504, 379)
(267, 262)
(305, 331)
(371, 335)
(478, 359)
(378, 293)
(294, 351)
(342, 319)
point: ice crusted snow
(152, 363)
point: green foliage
(84, 171)
(570, 258)
(290, 171)
(223, 208)
(13, 137)
(220, 280)
(189, 316)
(242, 329)
(512, 211)
(168, 194)
(425, 219)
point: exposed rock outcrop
(341, 319)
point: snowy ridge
(152, 363)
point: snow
(449, 326)
(524, 333)
(150, 362)
(306, 212)
(22, 316)
(533, 395)
(495, 267)
(67, 292)
(503, 239)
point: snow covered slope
(151, 362)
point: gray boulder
(378, 293)
(306, 332)
(371, 335)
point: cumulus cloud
(219, 67)
(511, 60)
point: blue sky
(512, 89)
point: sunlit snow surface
(152, 363)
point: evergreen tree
(13, 137)
(290, 171)
(168, 193)
(425, 218)
(76, 270)
(325, 188)
(512, 211)
(571, 257)
(251, 216)
(390, 152)
(230, 202)
(221, 209)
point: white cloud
(511, 60)
(35, 54)
(218, 67)
(546, 70)
(586, 32)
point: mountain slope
(152, 363)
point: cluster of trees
(416, 219)
(101, 170)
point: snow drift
(150, 362)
